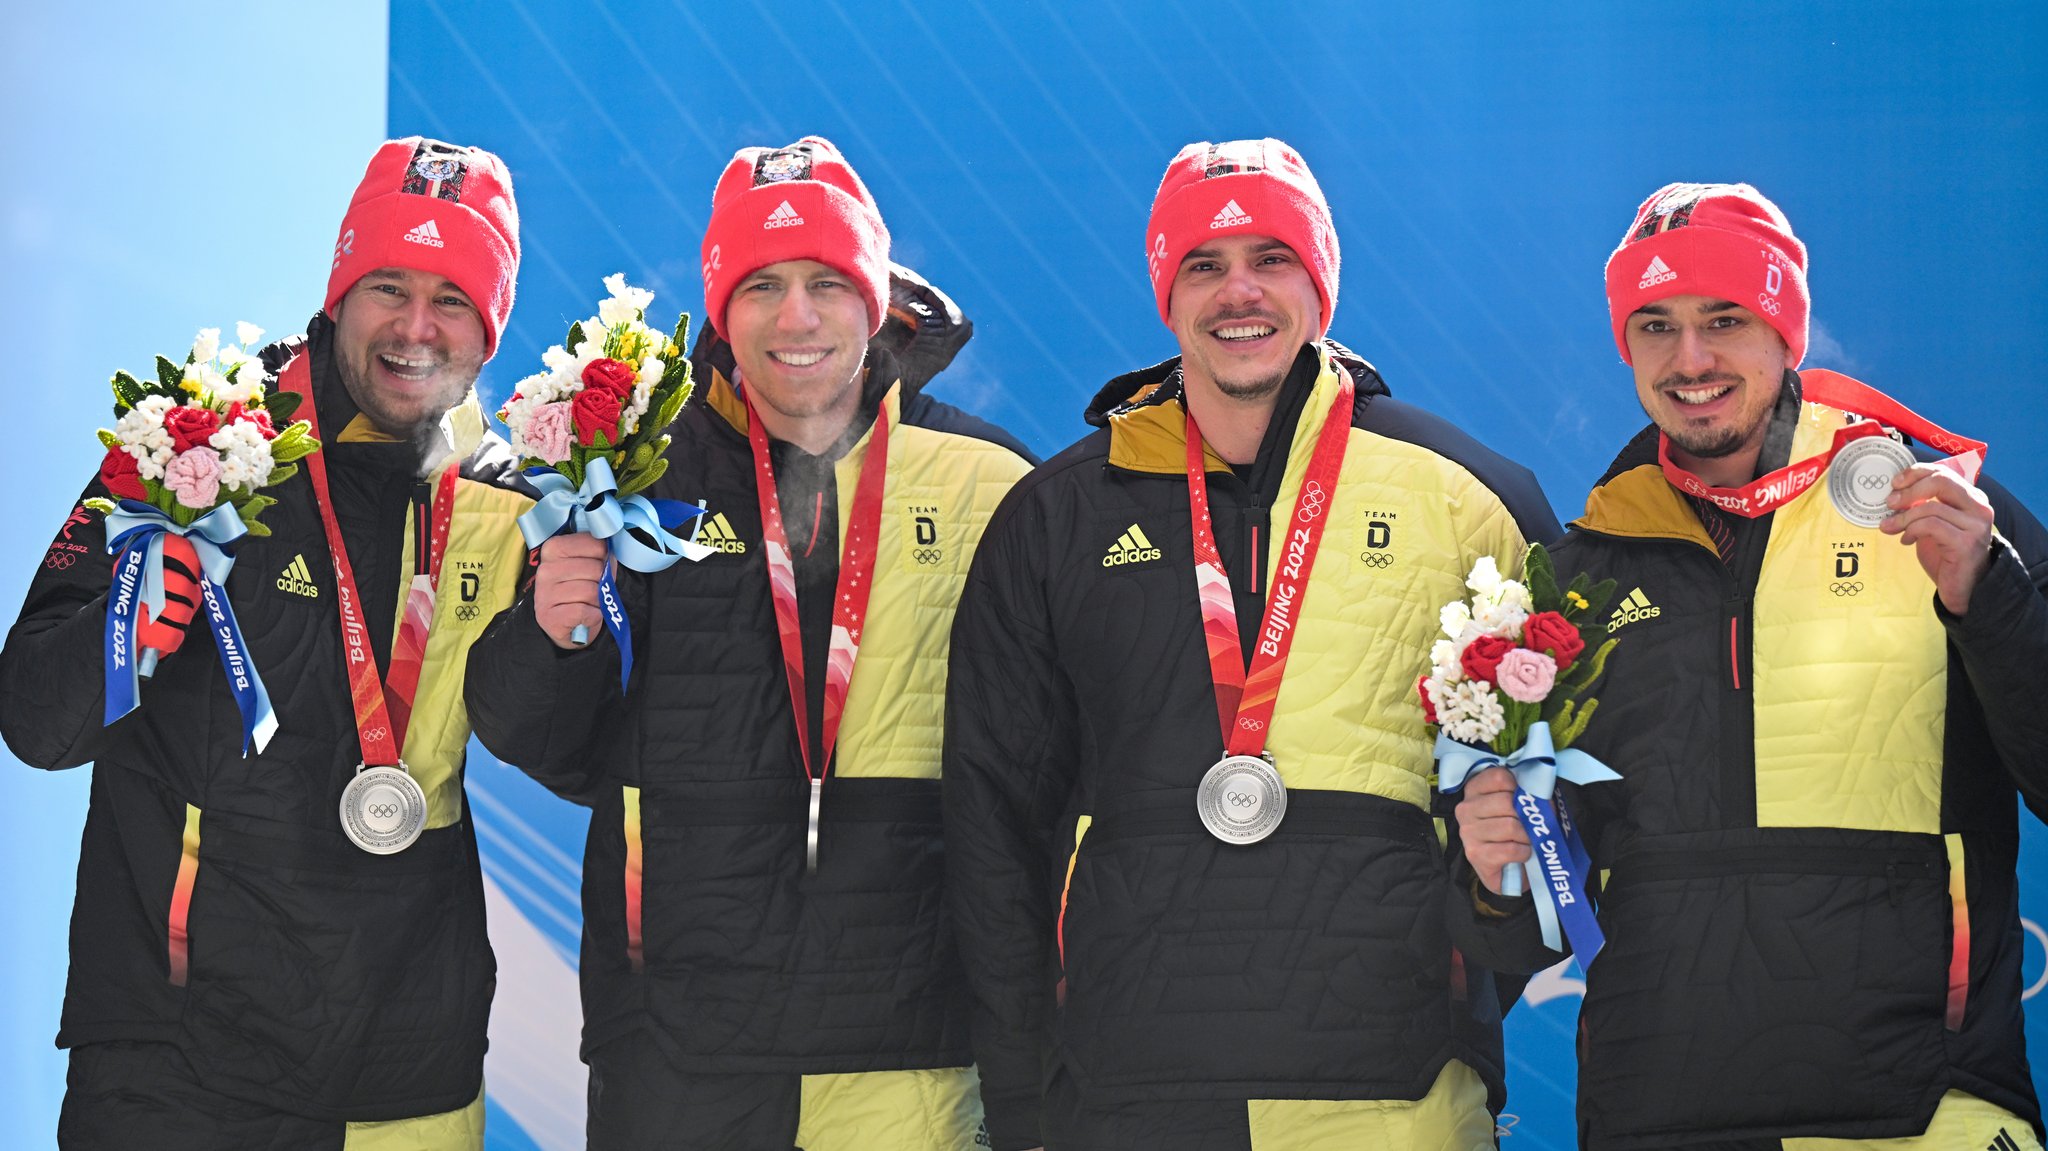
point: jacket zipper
(1738, 701)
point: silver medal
(383, 809)
(1241, 799)
(1860, 478)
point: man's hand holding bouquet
(186, 462)
(1506, 688)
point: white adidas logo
(1656, 273)
(426, 234)
(783, 216)
(1130, 548)
(1230, 216)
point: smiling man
(1189, 845)
(246, 971)
(1813, 937)
(766, 960)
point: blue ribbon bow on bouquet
(135, 532)
(1558, 864)
(598, 508)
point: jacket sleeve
(1010, 722)
(2003, 644)
(52, 678)
(541, 708)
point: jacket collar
(1148, 428)
(883, 388)
(1635, 501)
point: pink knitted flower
(549, 432)
(1526, 675)
(194, 475)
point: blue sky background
(188, 169)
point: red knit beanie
(437, 208)
(1256, 187)
(803, 202)
(1720, 240)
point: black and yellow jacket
(1811, 908)
(316, 978)
(1107, 935)
(700, 923)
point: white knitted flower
(1485, 578)
(626, 304)
(245, 455)
(1469, 711)
(1515, 593)
(1443, 661)
(1501, 619)
(1454, 617)
(143, 425)
(247, 385)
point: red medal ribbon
(1245, 698)
(430, 541)
(850, 602)
(381, 738)
(1768, 493)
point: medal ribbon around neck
(430, 543)
(849, 603)
(381, 738)
(1245, 698)
(1768, 493)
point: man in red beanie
(1809, 895)
(1190, 853)
(288, 949)
(766, 962)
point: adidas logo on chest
(1132, 547)
(715, 531)
(297, 579)
(1633, 607)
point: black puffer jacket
(1811, 908)
(1104, 930)
(700, 923)
(323, 981)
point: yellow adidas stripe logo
(1132, 547)
(298, 578)
(1633, 606)
(717, 533)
